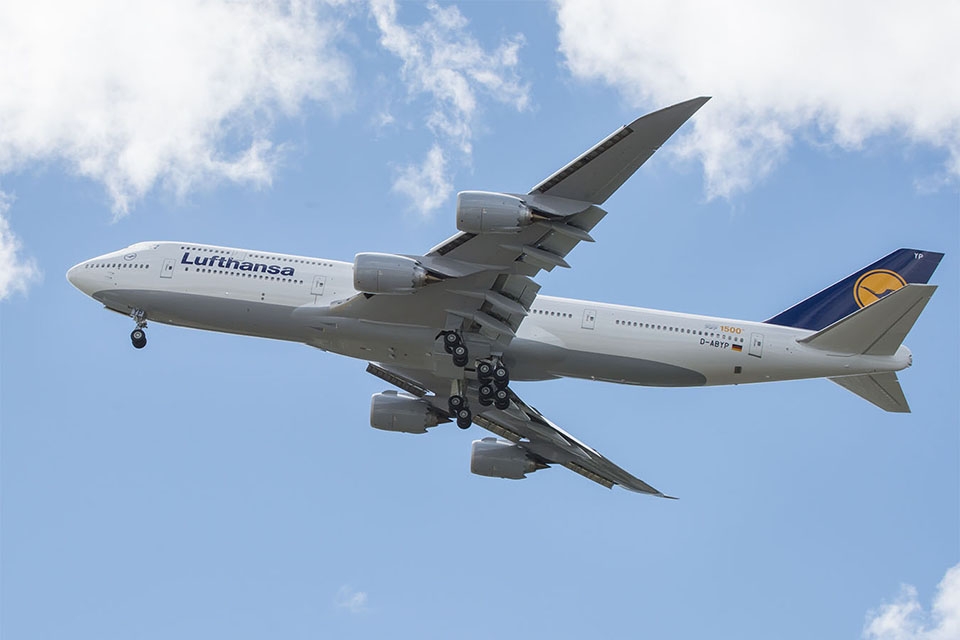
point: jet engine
(482, 212)
(395, 411)
(388, 273)
(501, 459)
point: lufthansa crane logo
(876, 284)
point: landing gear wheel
(450, 341)
(501, 399)
(501, 376)
(486, 394)
(456, 403)
(484, 371)
(464, 418)
(139, 338)
(460, 355)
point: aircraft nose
(79, 277)
(72, 275)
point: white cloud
(16, 272)
(905, 619)
(836, 73)
(180, 93)
(442, 60)
(352, 600)
(427, 185)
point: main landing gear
(493, 378)
(138, 336)
(492, 375)
(459, 410)
(453, 344)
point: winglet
(595, 175)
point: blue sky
(215, 485)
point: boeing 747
(451, 328)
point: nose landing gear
(138, 336)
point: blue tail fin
(854, 292)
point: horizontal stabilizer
(881, 389)
(877, 329)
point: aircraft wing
(486, 286)
(595, 175)
(521, 424)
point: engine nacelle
(388, 273)
(501, 459)
(483, 211)
(394, 411)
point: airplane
(452, 328)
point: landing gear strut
(138, 336)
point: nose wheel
(138, 336)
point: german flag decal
(736, 347)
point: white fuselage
(282, 296)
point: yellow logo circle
(876, 284)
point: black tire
(501, 394)
(501, 376)
(464, 418)
(456, 403)
(484, 371)
(139, 338)
(502, 405)
(486, 390)
(450, 340)
(486, 401)
(464, 424)
(140, 344)
(459, 361)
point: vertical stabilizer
(856, 291)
